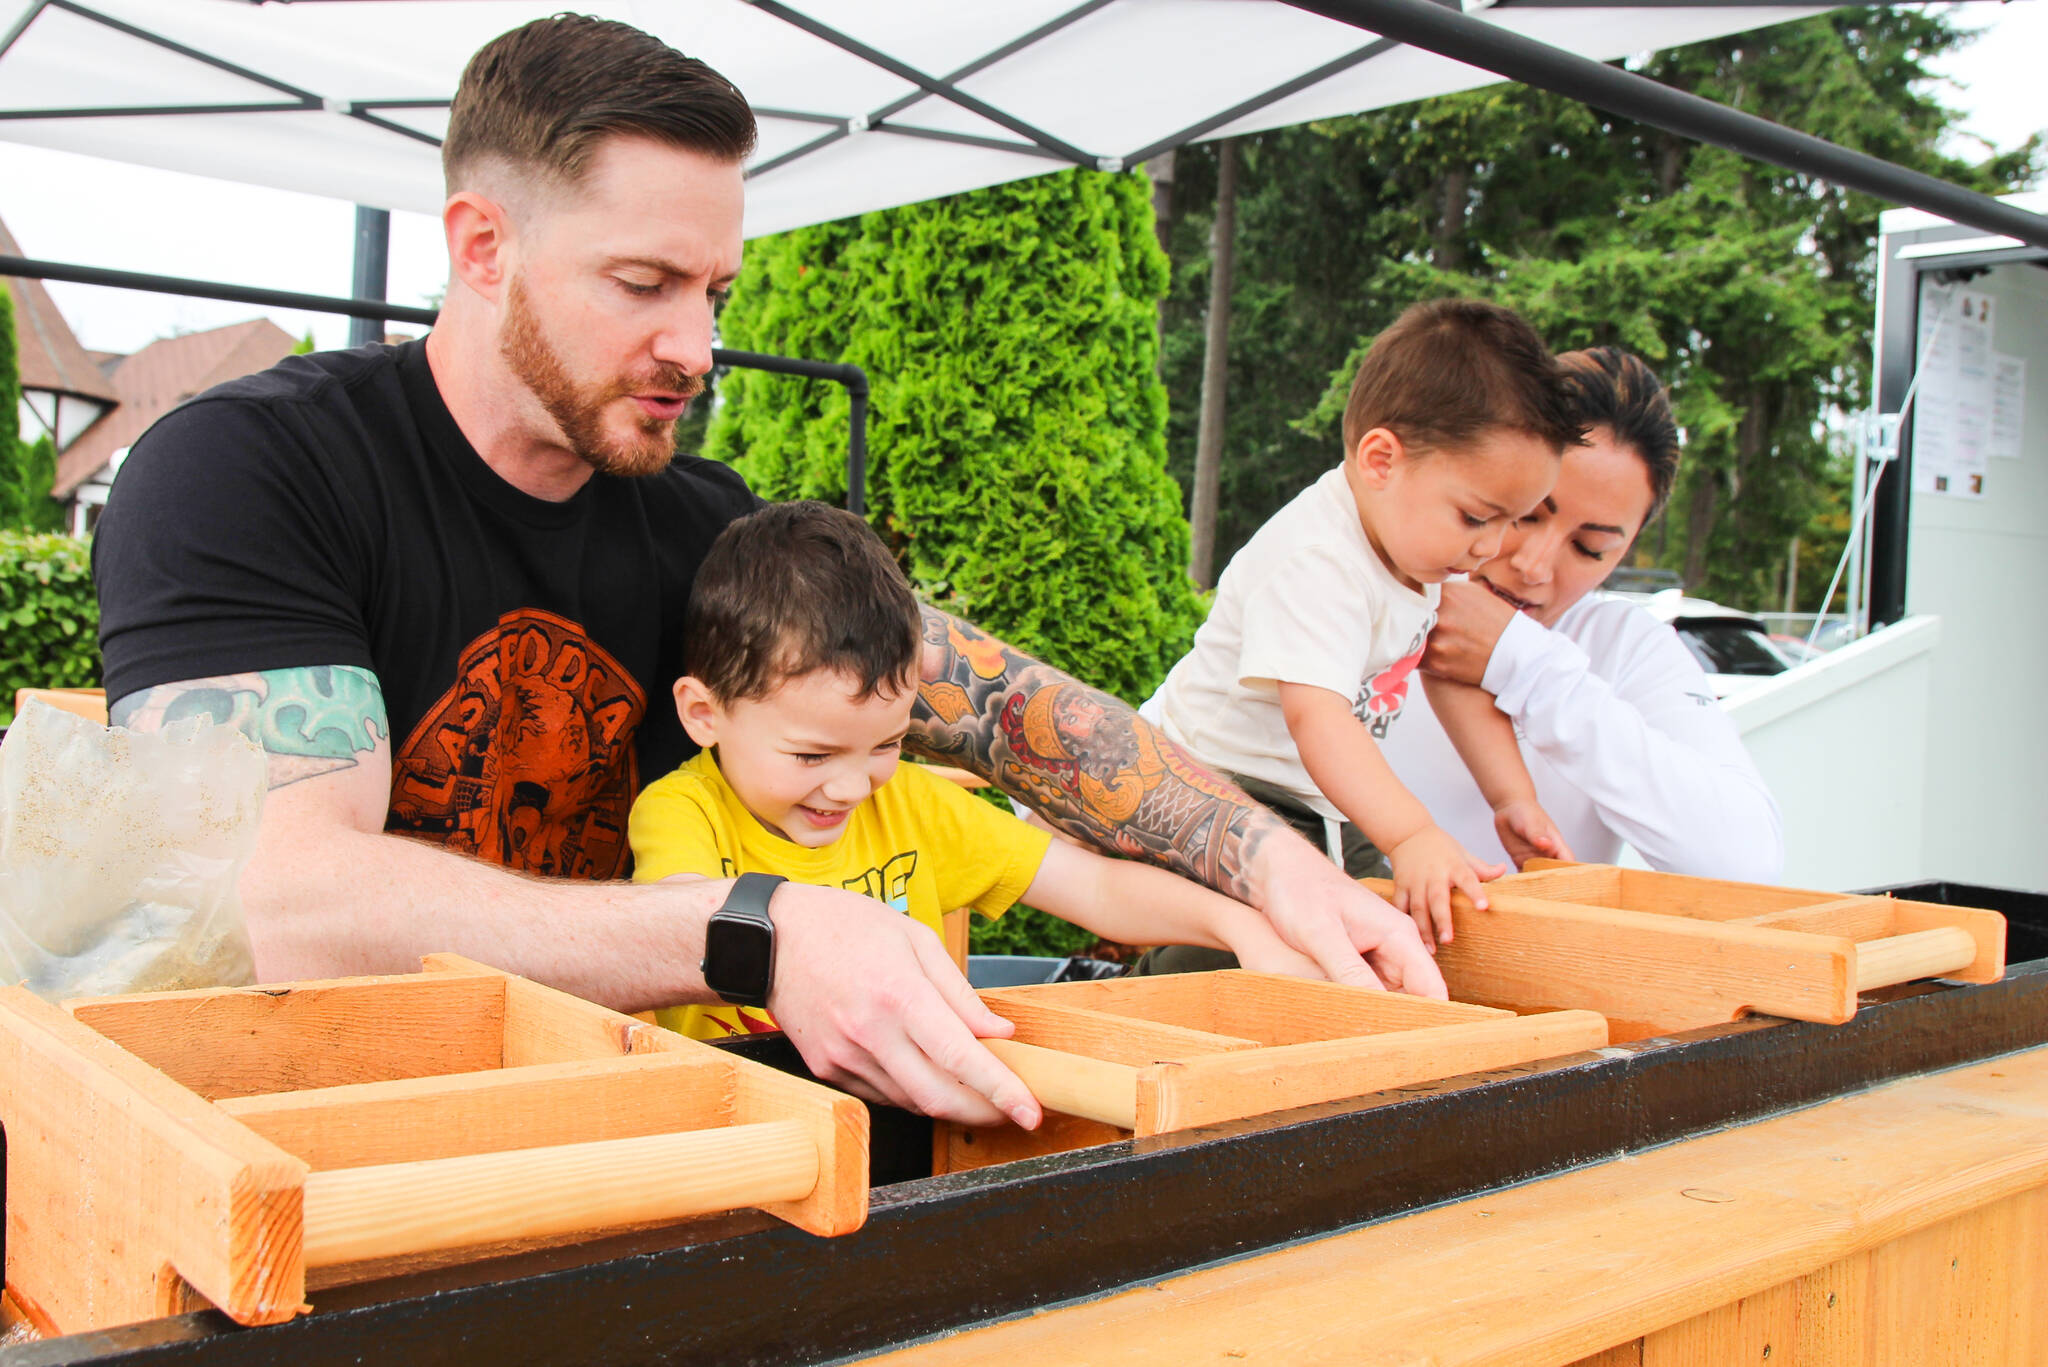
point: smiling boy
(803, 639)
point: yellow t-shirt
(921, 844)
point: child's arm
(1340, 756)
(1143, 905)
(1485, 740)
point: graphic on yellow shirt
(920, 845)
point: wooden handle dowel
(395, 1209)
(1922, 954)
(1072, 1084)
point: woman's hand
(1469, 621)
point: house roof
(50, 355)
(163, 375)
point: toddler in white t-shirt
(1453, 430)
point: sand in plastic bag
(119, 854)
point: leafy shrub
(49, 619)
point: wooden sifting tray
(234, 1146)
(1662, 952)
(1144, 1056)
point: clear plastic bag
(119, 854)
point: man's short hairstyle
(795, 588)
(1617, 389)
(1449, 370)
(541, 98)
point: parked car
(1733, 646)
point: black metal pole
(1449, 32)
(856, 381)
(852, 376)
(373, 269)
(26, 268)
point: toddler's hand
(1526, 831)
(1427, 865)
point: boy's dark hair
(1616, 389)
(795, 588)
(544, 96)
(1451, 369)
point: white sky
(70, 208)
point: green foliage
(1016, 434)
(304, 346)
(1746, 285)
(10, 414)
(1027, 930)
(36, 510)
(28, 470)
(49, 619)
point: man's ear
(479, 236)
(1378, 454)
(701, 715)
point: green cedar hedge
(1017, 430)
(49, 619)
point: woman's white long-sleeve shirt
(1624, 740)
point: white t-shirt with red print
(1307, 601)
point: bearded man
(441, 584)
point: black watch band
(739, 942)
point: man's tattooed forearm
(1081, 759)
(310, 721)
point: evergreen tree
(38, 511)
(11, 453)
(1016, 431)
(1748, 286)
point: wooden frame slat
(241, 1041)
(419, 1119)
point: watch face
(736, 958)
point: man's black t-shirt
(328, 511)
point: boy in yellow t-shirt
(802, 639)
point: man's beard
(579, 409)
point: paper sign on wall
(2008, 405)
(1953, 405)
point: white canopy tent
(862, 104)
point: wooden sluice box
(1660, 953)
(241, 1146)
(1145, 1056)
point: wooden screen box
(1144, 1056)
(237, 1146)
(1662, 952)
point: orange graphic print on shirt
(527, 761)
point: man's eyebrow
(662, 265)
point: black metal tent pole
(1450, 32)
(373, 269)
(852, 376)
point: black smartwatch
(739, 942)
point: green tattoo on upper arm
(311, 720)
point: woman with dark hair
(1618, 725)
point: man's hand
(1469, 622)
(1334, 921)
(1526, 832)
(873, 1003)
(1427, 865)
